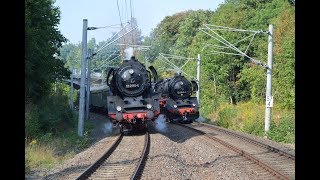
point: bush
(56, 115)
(249, 117)
(48, 150)
(51, 131)
(51, 115)
(255, 126)
(284, 131)
(227, 116)
(32, 124)
(37, 155)
(253, 118)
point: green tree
(42, 42)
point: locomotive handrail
(194, 85)
(154, 73)
(108, 75)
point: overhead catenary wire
(224, 47)
(175, 56)
(131, 20)
(233, 29)
(109, 26)
(231, 46)
(126, 10)
(107, 44)
(250, 43)
(220, 52)
(106, 64)
(131, 8)
(167, 61)
(119, 12)
(99, 66)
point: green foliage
(71, 54)
(249, 117)
(284, 131)
(48, 150)
(55, 114)
(226, 77)
(252, 116)
(227, 115)
(42, 42)
(51, 115)
(32, 124)
(39, 156)
(284, 59)
(255, 127)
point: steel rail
(141, 164)
(242, 153)
(271, 148)
(99, 161)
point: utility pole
(71, 87)
(269, 98)
(102, 76)
(83, 77)
(88, 83)
(198, 79)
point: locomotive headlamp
(175, 106)
(193, 104)
(131, 71)
(149, 106)
(119, 108)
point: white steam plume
(161, 124)
(201, 119)
(128, 53)
(107, 128)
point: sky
(101, 13)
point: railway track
(279, 164)
(125, 159)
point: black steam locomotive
(133, 101)
(176, 101)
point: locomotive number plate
(132, 85)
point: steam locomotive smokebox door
(132, 78)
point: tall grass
(49, 150)
(51, 132)
(249, 117)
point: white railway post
(83, 77)
(269, 99)
(198, 78)
(88, 83)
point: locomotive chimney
(129, 54)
